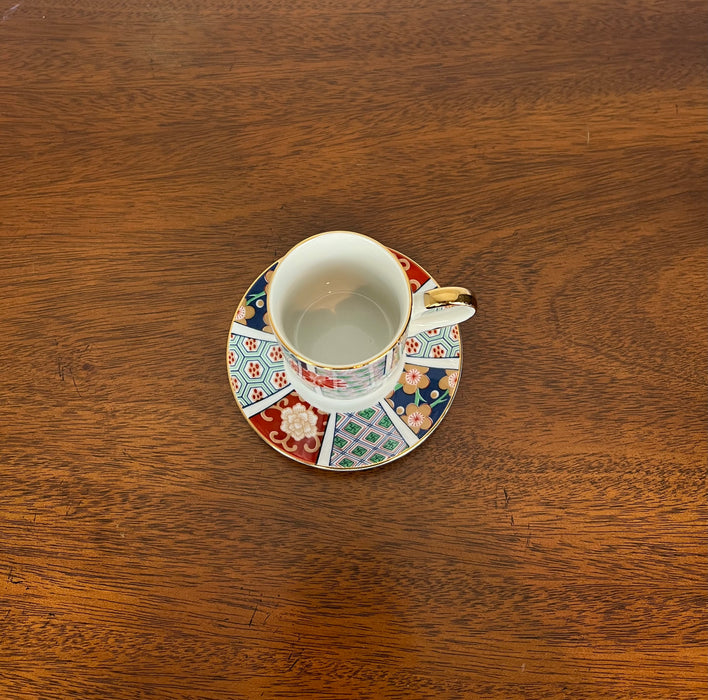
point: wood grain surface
(548, 541)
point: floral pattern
(253, 309)
(429, 404)
(412, 346)
(298, 422)
(418, 417)
(292, 426)
(414, 378)
(276, 353)
(449, 381)
(244, 313)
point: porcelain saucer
(338, 441)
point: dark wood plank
(548, 541)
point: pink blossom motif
(418, 417)
(415, 420)
(256, 394)
(438, 351)
(254, 369)
(235, 384)
(279, 380)
(433, 332)
(276, 353)
(449, 381)
(251, 344)
(298, 422)
(231, 357)
(455, 333)
(414, 378)
(244, 313)
(412, 346)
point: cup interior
(339, 299)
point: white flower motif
(298, 422)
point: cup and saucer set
(345, 354)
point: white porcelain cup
(341, 307)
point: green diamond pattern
(353, 428)
(384, 422)
(365, 438)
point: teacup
(341, 307)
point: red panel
(293, 426)
(416, 274)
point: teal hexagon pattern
(255, 368)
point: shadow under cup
(339, 300)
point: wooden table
(547, 541)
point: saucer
(338, 441)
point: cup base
(344, 405)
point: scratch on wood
(74, 382)
(10, 12)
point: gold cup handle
(449, 296)
(442, 306)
